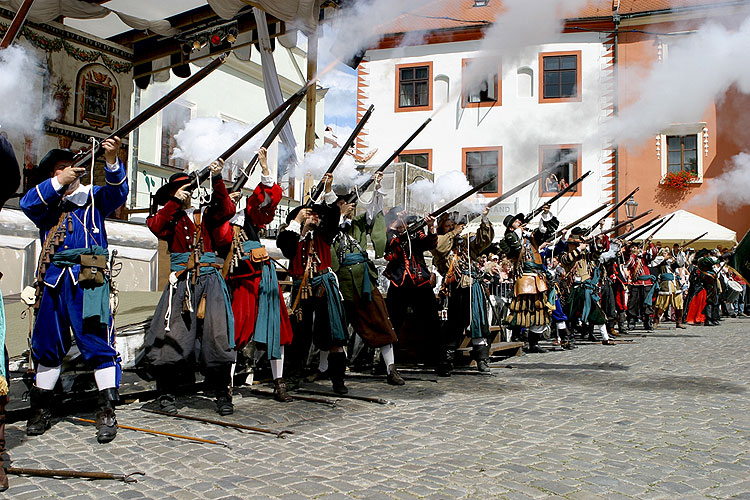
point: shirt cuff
(112, 168)
(267, 180)
(330, 198)
(56, 184)
(294, 227)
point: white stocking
(277, 366)
(388, 358)
(603, 329)
(46, 376)
(106, 378)
(323, 363)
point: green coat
(351, 277)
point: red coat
(173, 225)
(260, 210)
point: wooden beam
(310, 105)
(16, 24)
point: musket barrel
(245, 175)
(613, 209)
(149, 112)
(16, 24)
(635, 232)
(694, 240)
(315, 193)
(625, 223)
(419, 223)
(557, 196)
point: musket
(694, 240)
(556, 197)
(16, 24)
(661, 225)
(380, 401)
(293, 101)
(197, 178)
(278, 434)
(352, 197)
(611, 211)
(24, 471)
(633, 235)
(578, 221)
(84, 157)
(315, 193)
(159, 433)
(645, 227)
(625, 223)
(416, 225)
(516, 189)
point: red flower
(678, 180)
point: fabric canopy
(303, 14)
(685, 226)
(44, 11)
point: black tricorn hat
(176, 181)
(47, 165)
(576, 235)
(318, 208)
(509, 219)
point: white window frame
(680, 129)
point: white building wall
(520, 124)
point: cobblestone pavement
(665, 416)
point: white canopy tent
(685, 226)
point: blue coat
(43, 205)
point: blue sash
(268, 319)
(478, 313)
(588, 294)
(351, 259)
(179, 258)
(335, 308)
(654, 287)
(95, 300)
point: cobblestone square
(663, 416)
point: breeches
(60, 311)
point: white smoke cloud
(516, 32)
(447, 187)
(698, 69)
(730, 189)
(316, 162)
(204, 139)
(24, 108)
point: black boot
(41, 415)
(3, 477)
(591, 337)
(622, 326)
(534, 343)
(394, 377)
(445, 364)
(481, 354)
(218, 379)
(106, 422)
(566, 340)
(337, 370)
(647, 323)
(279, 391)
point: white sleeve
(56, 184)
(330, 198)
(267, 180)
(294, 227)
(112, 168)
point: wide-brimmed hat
(576, 235)
(318, 208)
(509, 219)
(175, 182)
(53, 156)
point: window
(481, 164)
(175, 118)
(483, 93)
(419, 157)
(561, 76)
(682, 147)
(414, 87)
(564, 162)
(682, 153)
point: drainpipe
(134, 149)
(616, 103)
